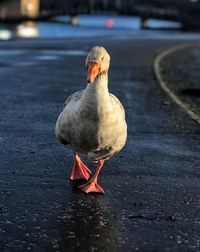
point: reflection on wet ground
(47, 57)
(86, 222)
(10, 52)
(10, 57)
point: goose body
(93, 120)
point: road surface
(152, 187)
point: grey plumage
(93, 120)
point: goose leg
(79, 171)
(92, 185)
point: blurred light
(27, 30)
(75, 20)
(194, 1)
(109, 23)
(5, 34)
(30, 6)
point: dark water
(86, 26)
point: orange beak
(93, 70)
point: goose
(92, 121)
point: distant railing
(126, 7)
(185, 11)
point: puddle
(11, 52)
(47, 57)
(25, 63)
(66, 52)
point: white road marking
(165, 87)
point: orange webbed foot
(80, 170)
(91, 186)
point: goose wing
(117, 101)
(73, 98)
(61, 124)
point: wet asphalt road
(152, 200)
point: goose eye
(102, 58)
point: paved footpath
(152, 200)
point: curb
(163, 84)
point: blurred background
(152, 187)
(42, 18)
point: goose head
(97, 61)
